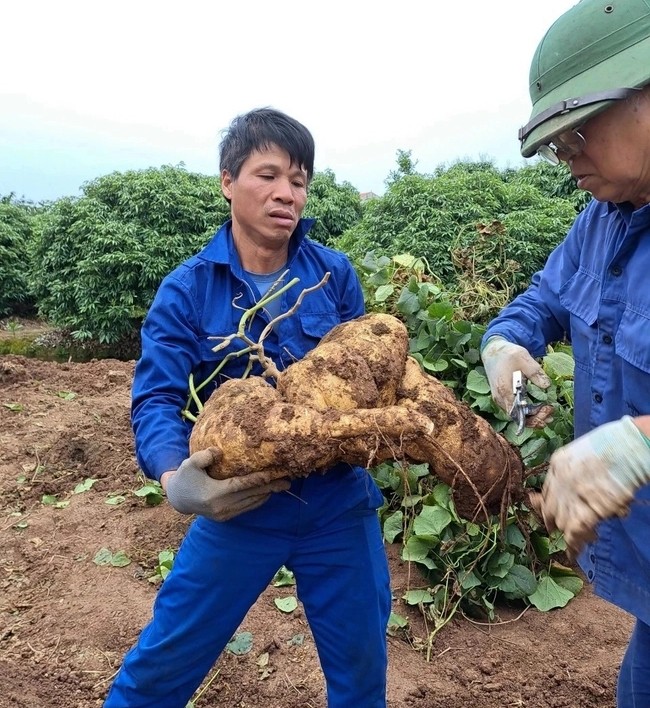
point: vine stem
(255, 350)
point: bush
(101, 257)
(465, 221)
(17, 225)
(336, 207)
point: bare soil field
(66, 621)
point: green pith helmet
(584, 60)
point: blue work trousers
(634, 677)
(336, 552)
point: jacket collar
(221, 248)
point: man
(324, 528)
(591, 109)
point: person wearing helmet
(590, 90)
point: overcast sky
(90, 87)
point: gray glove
(593, 478)
(501, 359)
(190, 490)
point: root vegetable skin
(358, 398)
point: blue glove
(593, 478)
(190, 490)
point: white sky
(88, 87)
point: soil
(66, 621)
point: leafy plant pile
(468, 222)
(468, 566)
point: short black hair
(258, 130)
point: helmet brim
(630, 68)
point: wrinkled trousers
(342, 580)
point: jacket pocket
(580, 296)
(632, 343)
(305, 333)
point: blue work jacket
(204, 298)
(594, 289)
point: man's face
(614, 164)
(267, 200)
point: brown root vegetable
(255, 430)
(359, 398)
(465, 452)
(358, 364)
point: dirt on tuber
(359, 398)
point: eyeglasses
(570, 143)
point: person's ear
(226, 184)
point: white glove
(191, 490)
(593, 478)
(501, 359)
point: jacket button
(590, 575)
(616, 270)
(607, 339)
(598, 398)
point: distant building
(364, 196)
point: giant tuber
(358, 398)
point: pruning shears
(521, 407)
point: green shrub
(17, 223)
(336, 207)
(444, 219)
(101, 257)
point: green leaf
(500, 564)
(416, 549)
(435, 365)
(408, 303)
(84, 486)
(549, 595)
(393, 526)
(284, 577)
(406, 260)
(514, 537)
(152, 493)
(115, 499)
(431, 521)
(14, 407)
(534, 452)
(442, 494)
(120, 559)
(468, 580)
(240, 644)
(520, 582)
(440, 311)
(421, 470)
(286, 604)
(411, 500)
(384, 292)
(66, 395)
(415, 597)
(49, 499)
(559, 365)
(103, 557)
(477, 383)
(166, 558)
(573, 584)
(396, 621)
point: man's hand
(191, 490)
(593, 478)
(501, 359)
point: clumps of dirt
(12, 372)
